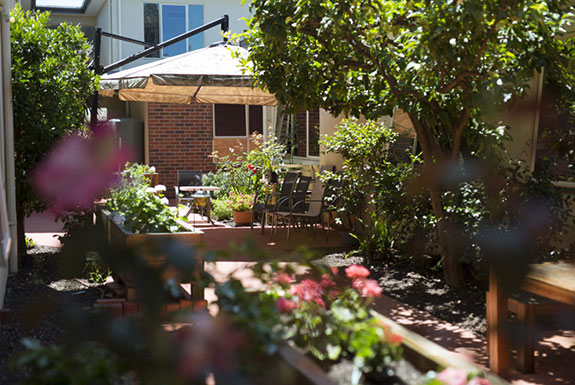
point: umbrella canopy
(207, 75)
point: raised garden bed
(420, 356)
(118, 237)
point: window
(230, 120)
(165, 21)
(305, 133)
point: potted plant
(241, 205)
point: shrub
(373, 181)
(142, 208)
(221, 210)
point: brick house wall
(180, 138)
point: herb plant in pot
(241, 205)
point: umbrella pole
(97, 71)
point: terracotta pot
(242, 217)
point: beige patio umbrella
(207, 75)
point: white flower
(151, 190)
(165, 201)
(152, 169)
(160, 187)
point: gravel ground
(422, 286)
(37, 299)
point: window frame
(247, 128)
(307, 128)
(186, 7)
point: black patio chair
(274, 201)
(313, 213)
(187, 178)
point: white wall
(131, 16)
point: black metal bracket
(224, 21)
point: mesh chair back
(189, 178)
(289, 182)
(300, 192)
(316, 200)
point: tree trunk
(434, 160)
(21, 236)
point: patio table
(205, 207)
(551, 280)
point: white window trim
(247, 114)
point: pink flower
(283, 278)
(334, 270)
(319, 301)
(78, 171)
(358, 284)
(307, 290)
(453, 376)
(356, 271)
(333, 294)
(479, 381)
(371, 289)
(326, 281)
(285, 305)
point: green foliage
(373, 180)
(323, 316)
(30, 243)
(143, 209)
(51, 82)
(95, 269)
(243, 173)
(221, 210)
(240, 202)
(53, 365)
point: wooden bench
(527, 307)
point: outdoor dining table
(554, 280)
(204, 202)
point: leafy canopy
(443, 62)
(51, 82)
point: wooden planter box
(118, 237)
(423, 354)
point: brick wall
(180, 138)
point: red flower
(370, 288)
(307, 290)
(395, 339)
(255, 170)
(283, 278)
(250, 166)
(326, 281)
(319, 301)
(333, 294)
(334, 270)
(357, 271)
(285, 305)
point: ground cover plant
(449, 65)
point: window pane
(152, 26)
(173, 24)
(256, 120)
(230, 119)
(313, 145)
(195, 19)
(300, 129)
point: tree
(51, 83)
(447, 64)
